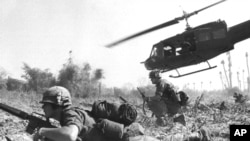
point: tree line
(81, 80)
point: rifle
(123, 99)
(142, 93)
(144, 100)
(36, 120)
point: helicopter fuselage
(196, 45)
(193, 46)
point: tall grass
(26, 101)
(29, 101)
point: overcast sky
(42, 32)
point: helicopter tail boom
(239, 32)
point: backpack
(124, 113)
(127, 113)
(183, 98)
(104, 109)
(111, 119)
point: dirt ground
(13, 128)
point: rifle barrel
(142, 94)
(14, 111)
(123, 99)
(34, 120)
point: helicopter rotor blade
(166, 24)
(175, 21)
(185, 16)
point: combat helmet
(155, 74)
(57, 95)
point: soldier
(57, 105)
(79, 124)
(165, 100)
(238, 97)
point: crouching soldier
(239, 98)
(166, 101)
(106, 122)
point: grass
(30, 100)
(219, 125)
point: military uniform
(165, 101)
(106, 121)
(78, 117)
(168, 95)
(164, 86)
(93, 127)
(58, 99)
(169, 102)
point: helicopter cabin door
(212, 37)
(203, 38)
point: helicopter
(193, 46)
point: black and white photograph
(124, 70)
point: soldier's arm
(158, 95)
(159, 90)
(65, 133)
(154, 98)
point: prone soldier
(99, 124)
(105, 122)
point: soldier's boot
(180, 119)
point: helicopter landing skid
(209, 67)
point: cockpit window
(168, 51)
(159, 51)
(154, 52)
